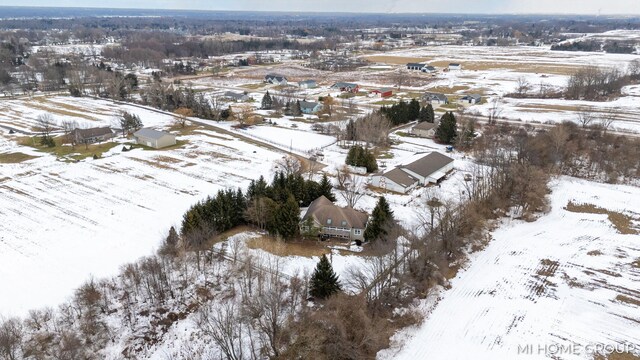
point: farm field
(567, 279)
(63, 222)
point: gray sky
(593, 7)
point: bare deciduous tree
(522, 86)
(585, 116)
(349, 186)
(11, 333)
(289, 164)
(495, 110)
(223, 324)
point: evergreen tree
(297, 109)
(381, 220)
(326, 188)
(426, 114)
(267, 101)
(447, 131)
(170, 245)
(324, 281)
(413, 111)
(287, 218)
(359, 156)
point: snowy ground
(559, 281)
(62, 222)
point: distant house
(346, 87)
(435, 98)
(455, 66)
(307, 84)
(382, 92)
(429, 69)
(471, 99)
(154, 138)
(334, 221)
(92, 135)
(310, 107)
(275, 79)
(415, 66)
(426, 170)
(236, 96)
(425, 129)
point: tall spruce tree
(380, 222)
(427, 114)
(414, 110)
(447, 131)
(287, 218)
(296, 109)
(267, 101)
(326, 188)
(324, 281)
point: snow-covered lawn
(567, 279)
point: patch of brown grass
(617, 356)
(14, 158)
(636, 264)
(594, 253)
(305, 248)
(628, 300)
(547, 267)
(448, 90)
(622, 222)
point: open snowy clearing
(568, 279)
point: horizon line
(323, 12)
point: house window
(329, 221)
(357, 232)
(344, 223)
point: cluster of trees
(362, 157)
(129, 123)
(426, 114)
(613, 46)
(170, 99)
(372, 129)
(594, 83)
(273, 207)
(402, 112)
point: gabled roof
(415, 65)
(454, 64)
(93, 132)
(151, 133)
(425, 125)
(437, 96)
(322, 209)
(382, 90)
(275, 76)
(430, 68)
(344, 85)
(477, 97)
(308, 104)
(307, 82)
(429, 164)
(400, 177)
(234, 95)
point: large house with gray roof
(275, 79)
(332, 221)
(435, 98)
(429, 169)
(310, 107)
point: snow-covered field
(561, 285)
(62, 222)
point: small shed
(154, 138)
